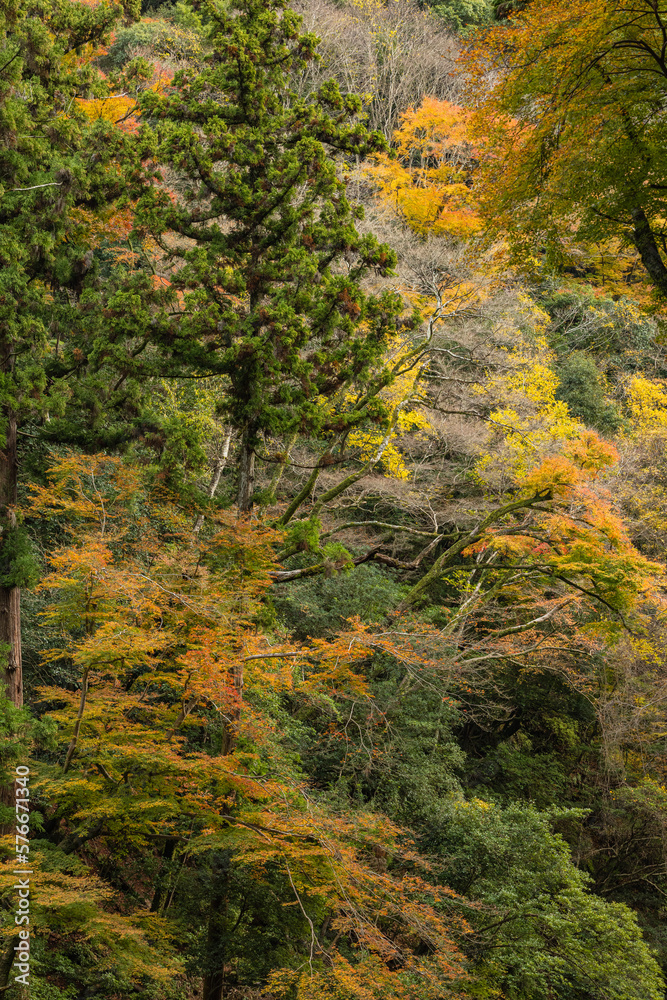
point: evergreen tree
(259, 237)
(51, 158)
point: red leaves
(347, 304)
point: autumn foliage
(333, 498)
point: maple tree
(573, 136)
(428, 178)
(167, 745)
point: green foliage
(303, 536)
(614, 329)
(19, 563)
(319, 606)
(177, 35)
(581, 387)
(535, 749)
(540, 927)
(265, 302)
(462, 15)
(503, 9)
(575, 143)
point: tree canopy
(332, 501)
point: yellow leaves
(194, 404)
(524, 438)
(436, 129)
(118, 109)
(400, 397)
(647, 402)
(428, 184)
(536, 382)
(527, 423)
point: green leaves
(538, 927)
(259, 237)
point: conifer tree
(258, 235)
(51, 158)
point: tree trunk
(164, 873)
(233, 721)
(214, 978)
(246, 487)
(270, 497)
(644, 240)
(10, 597)
(216, 473)
(7, 960)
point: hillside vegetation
(333, 499)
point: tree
(462, 14)
(574, 130)
(170, 762)
(540, 928)
(52, 159)
(581, 387)
(259, 239)
(428, 180)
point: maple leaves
(573, 140)
(428, 180)
(172, 667)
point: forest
(333, 499)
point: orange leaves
(582, 459)
(110, 226)
(590, 453)
(169, 737)
(391, 918)
(436, 130)
(93, 489)
(554, 475)
(569, 533)
(429, 182)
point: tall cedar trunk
(644, 240)
(10, 597)
(246, 486)
(214, 979)
(164, 872)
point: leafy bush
(319, 606)
(540, 932)
(176, 33)
(615, 328)
(582, 388)
(463, 14)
